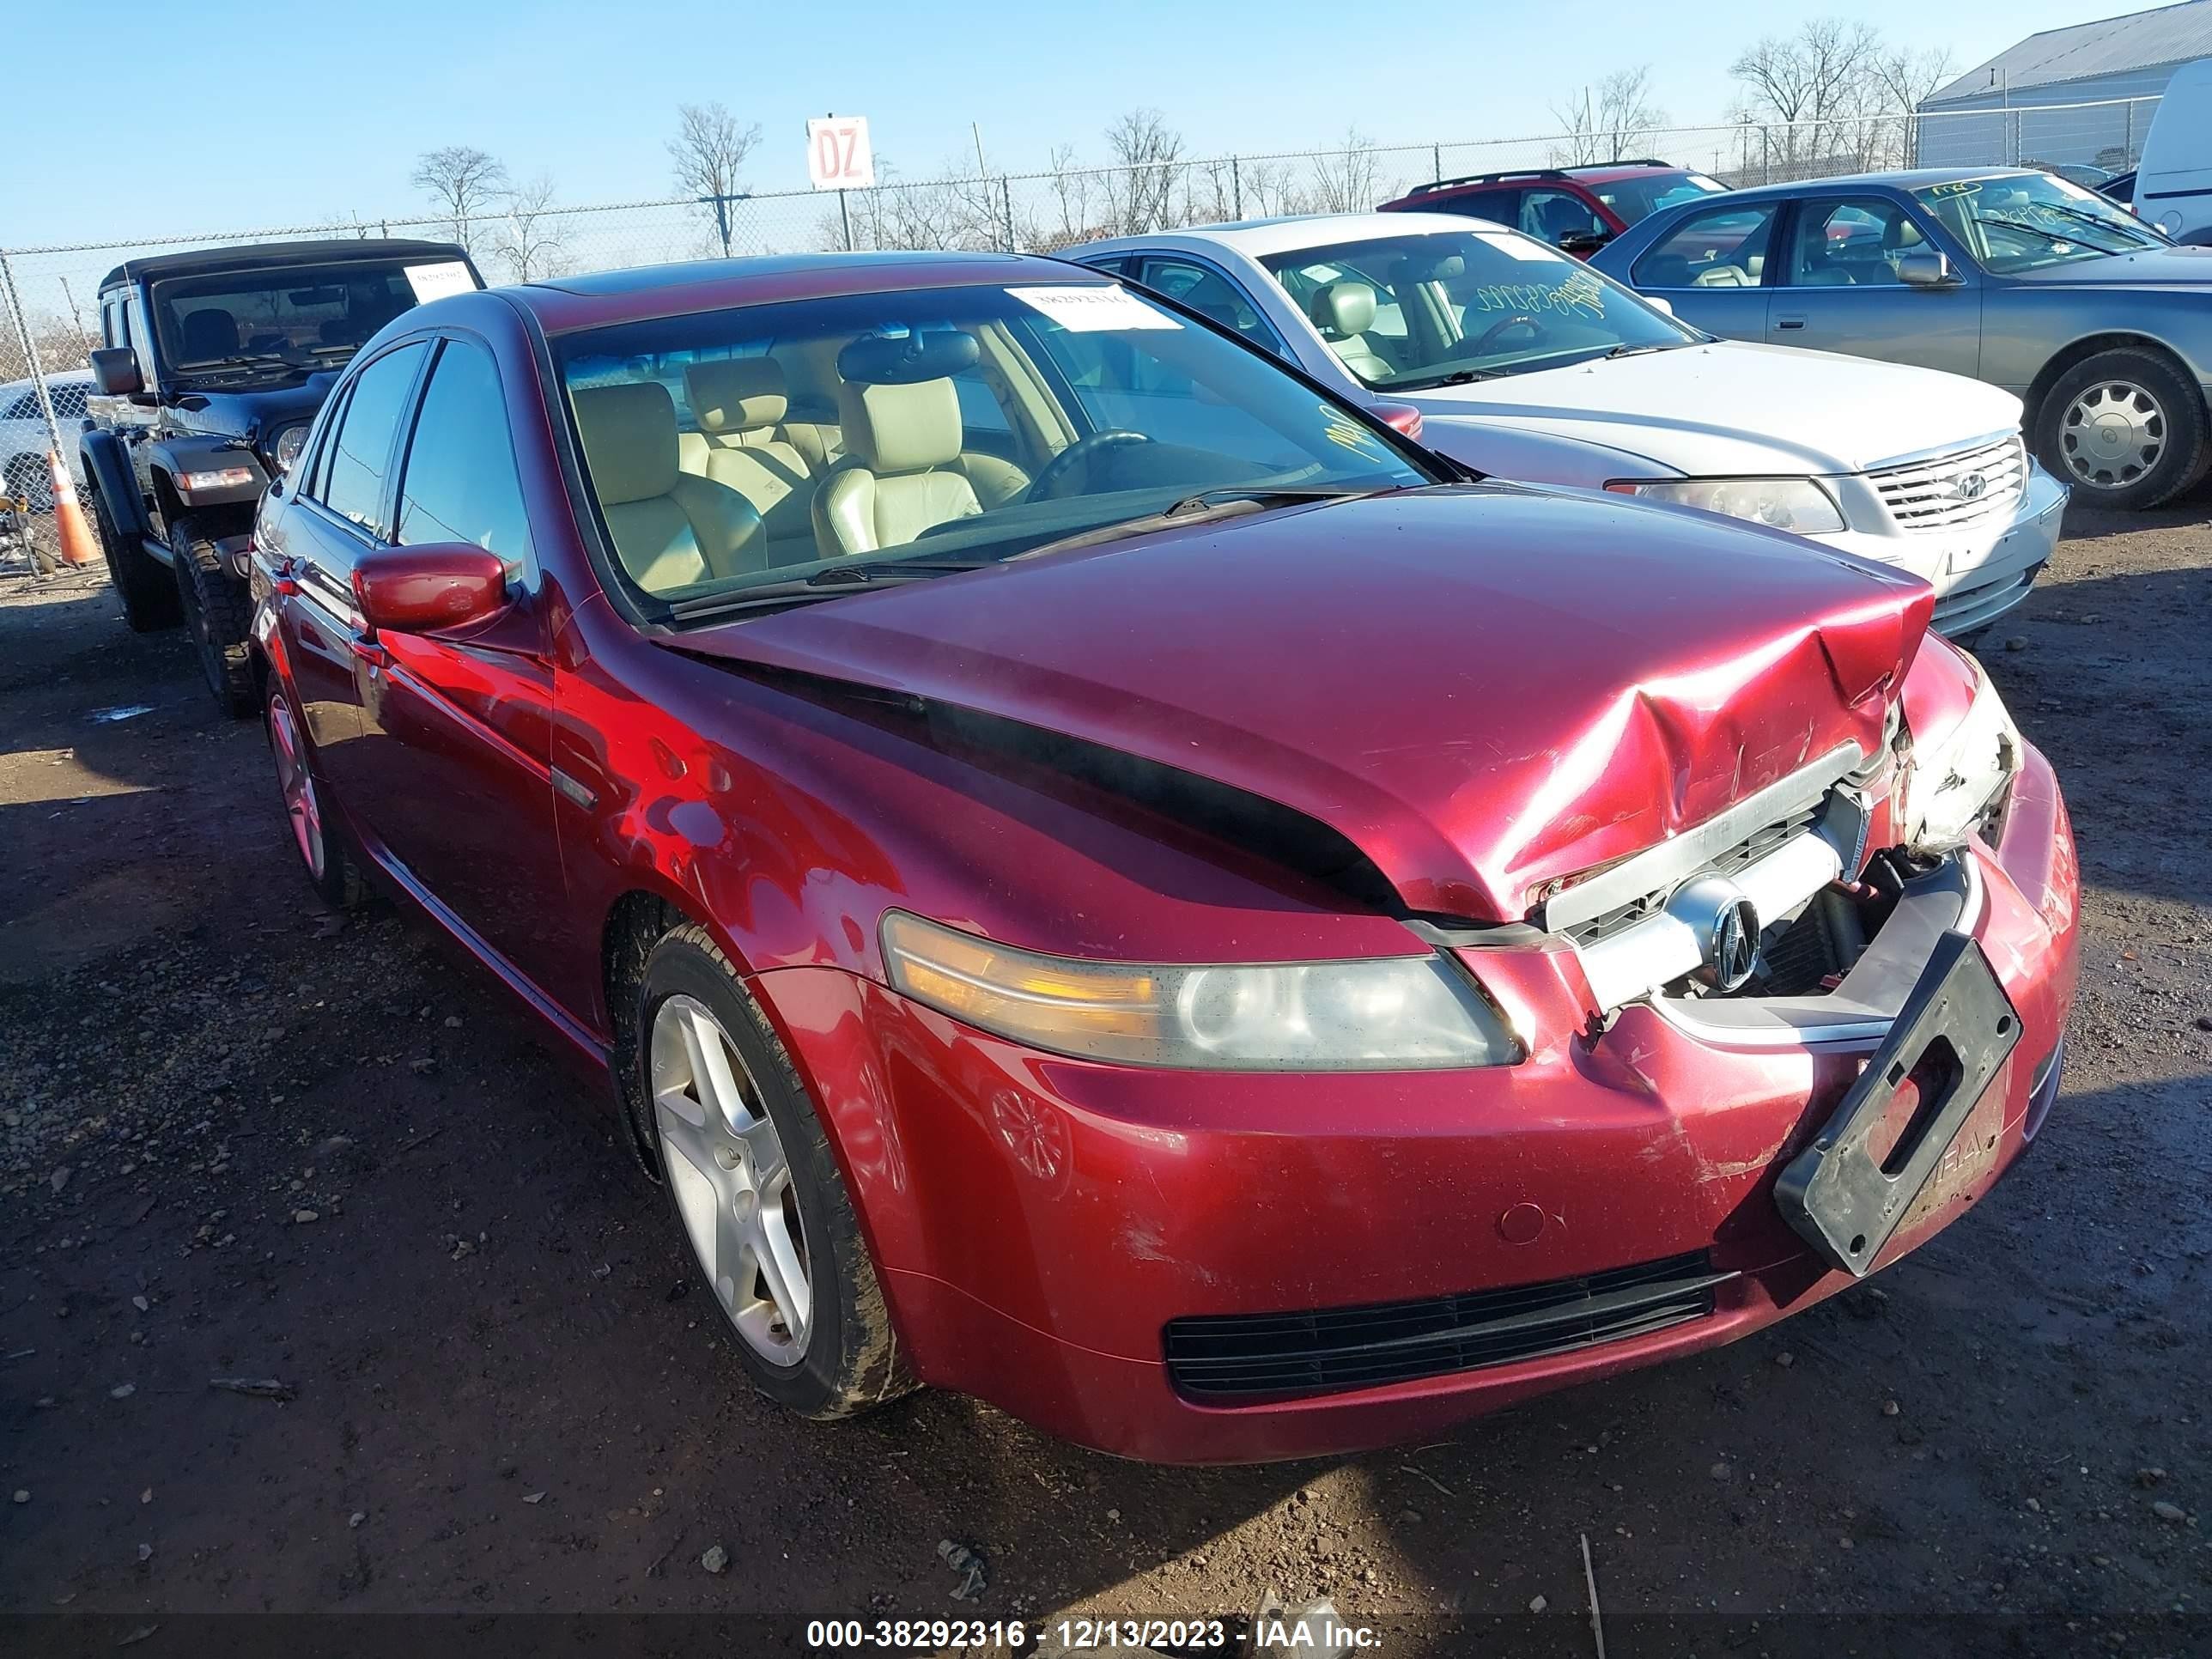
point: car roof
(1256, 238)
(66, 377)
(1902, 178)
(642, 292)
(250, 256)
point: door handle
(1795, 321)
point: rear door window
(1214, 296)
(1721, 247)
(361, 450)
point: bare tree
(1149, 154)
(464, 182)
(1820, 87)
(1908, 79)
(1074, 186)
(1605, 122)
(1343, 181)
(709, 151)
(530, 239)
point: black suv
(212, 364)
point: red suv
(1579, 210)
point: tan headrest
(736, 394)
(901, 429)
(630, 439)
(1344, 308)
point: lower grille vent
(1239, 1359)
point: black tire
(218, 611)
(330, 867)
(2137, 385)
(853, 1361)
(147, 593)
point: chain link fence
(50, 294)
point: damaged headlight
(1389, 1014)
(1953, 781)
(1796, 504)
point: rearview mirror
(115, 371)
(419, 590)
(1923, 267)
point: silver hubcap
(2112, 435)
(731, 1181)
(298, 785)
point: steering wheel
(1045, 486)
(1489, 336)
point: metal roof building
(2082, 93)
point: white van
(2173, 183)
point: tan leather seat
(1344, 311)
(906, 469)
(900, 475)
(671, 529)
(742, 441)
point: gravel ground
(240, 1138)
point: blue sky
(317, 112)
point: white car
(1527, 364)
(24, 440)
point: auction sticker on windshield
(436, 281)
(1093, 310)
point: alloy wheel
(731, 1181)
(298, 786)
(2112, 434)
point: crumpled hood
(1480, 687)
(1728, 408)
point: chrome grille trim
(1931, 494)
(1659, 869)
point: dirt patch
(240, 1139)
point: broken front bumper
(1230, 1267)
(1979, 572)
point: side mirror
(419, 590)
(1659, 305)
(1924, 267)
(115, 371)
(1583, 243)
(1399, 417)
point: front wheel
(217, 614)
(146, 593)
(2126, 428)
(748, 1166)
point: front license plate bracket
(1836, 1194)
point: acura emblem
(1734, 947)
(1972, 487)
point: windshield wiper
(1457, 377)
(2132, 237)
(1624, 349)
(830, 584)
(1261, 495)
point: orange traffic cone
(77, 546)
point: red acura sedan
(1105, 878)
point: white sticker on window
(436, 281)
(1094, 310)
(1521, 248)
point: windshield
(298, 318)
(2024, 220)
(1635, 198)
(1433, 308)
(786, 453)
